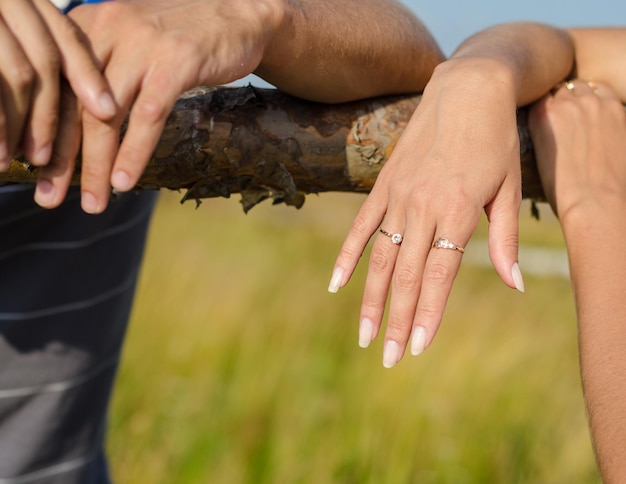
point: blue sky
(453, 21)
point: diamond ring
(443, 243)
(395, 238)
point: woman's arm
(458, 155)
(580, 145)
(601, 56)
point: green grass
(241, 368)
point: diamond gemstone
(396, 239)
(444, 244)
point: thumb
(503, 215)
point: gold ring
(569, 85)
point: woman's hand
(579, 135)
(586, 122)
(458, 155)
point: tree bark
(263, 144)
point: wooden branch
(265, 144)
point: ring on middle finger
(444, 243)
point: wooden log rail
(265, 144)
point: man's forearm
(349, 49)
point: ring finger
(380, 269)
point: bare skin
(459, 155)
(39, 44)
(160, 48)
(579, 136)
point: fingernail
(107, 104)
(45, 193)
(42, 156)
(391, 354)
(121, 181)
(89, 203)
(335, 280)
(366, 332)
(418, 341)
(517, 277)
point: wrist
(486, 77)
(592, 217)
(279, 18)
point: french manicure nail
(418, 341)
(517, 277)
(366, 332)
(335, 280)
(391, 354)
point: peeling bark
(265, 144)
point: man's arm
(333, 51)
(153, 50)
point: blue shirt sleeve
(75, 3)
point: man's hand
(151, 51)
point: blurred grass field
(241, 368)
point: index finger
(146, 121)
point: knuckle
(150, 110)
(181, 45)
(405, 279)
(510, 240)
(349, 252)
(22, 77)
(380, 262)
(370, 305)
(438, 273)
(398, 328)
(360, 228)
(45, 125)
(427, 315)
